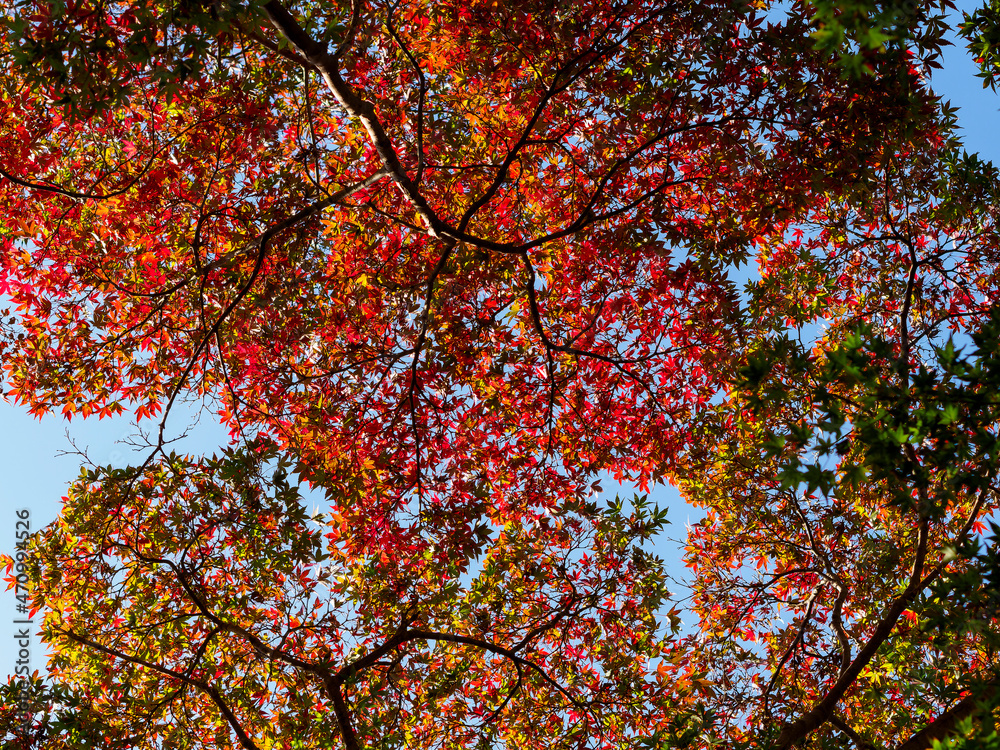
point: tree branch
(944, 724)
(821, 712)
(319, 56)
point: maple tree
(449, 264)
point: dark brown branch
(856, 738)
(268, 44)
(431, 635)
(510, 694)
(798, 639)
(319, 57)
(945, 724)
(418, 347)
(78, 195)
(184, 679)
(343, 715)
(230, 718)
(261, 244)
(838, 626)
(821, 712)
(421, 94)
(352, 30)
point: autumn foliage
(449, 265)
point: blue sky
(34, 475)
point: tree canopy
(450, 264)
